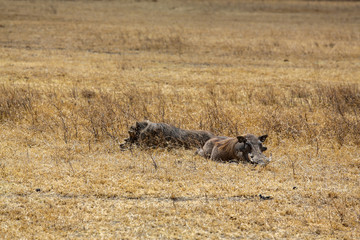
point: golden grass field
(74, 75)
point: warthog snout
(253, 149)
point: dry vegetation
(75, 74)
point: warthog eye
(263, 149)
(248, 146)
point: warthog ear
(263, 138)
(241, 139)
(141, 125)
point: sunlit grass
(75, 75)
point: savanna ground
(74, 75)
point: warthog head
(252, 149)
(135, 130)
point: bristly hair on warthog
(150, 134)
(247, 148)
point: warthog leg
(200, 152)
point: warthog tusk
(250, 158)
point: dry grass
(75, 74)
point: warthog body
(149, 134)
(248, 148)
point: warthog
(149, 134)
(247, 148)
